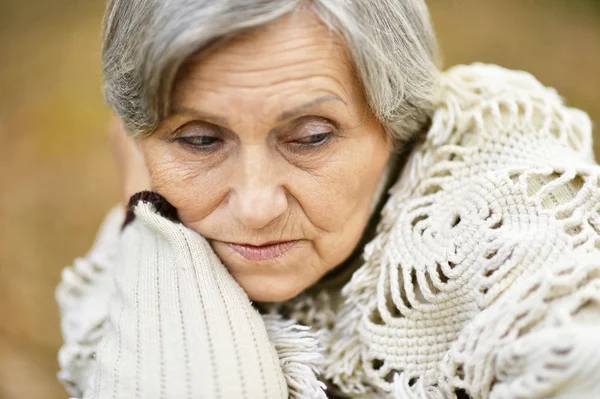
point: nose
(258, 198)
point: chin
(274, 280)
(262, 288)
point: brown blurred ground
(56, 175)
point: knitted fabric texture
(177, 324)
(483, 279)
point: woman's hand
(133, 173)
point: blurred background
(56, 175)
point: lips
(262, 252)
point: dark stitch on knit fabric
(160, 331)
(186, 355)
(211, 349)
(138, 357)
(260, 362)
(235, 345)
(277, 366)
(160, 204)
(119, 351)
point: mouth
(267, 251)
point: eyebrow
(285, 115)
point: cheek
(343, 189)
(193, 191)
(338, 199)
(327, 197)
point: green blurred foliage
(56, 173)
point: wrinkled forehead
(293, 54)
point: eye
(199, 136)
(314, 140)
(200, 142)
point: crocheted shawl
(484, 276)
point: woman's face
(272, 154)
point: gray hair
(391, 42)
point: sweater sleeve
(179, 325)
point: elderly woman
(315, 210)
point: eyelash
(188, 141)
(208, 143)
(307, 141)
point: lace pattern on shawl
(504, 185)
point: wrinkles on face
(263, 177)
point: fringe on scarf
(404, 390)
(300, 356)
(344, 365)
